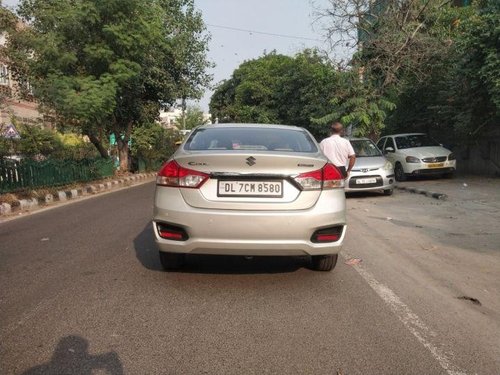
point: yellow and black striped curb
(66, 195)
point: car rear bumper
(239, 232)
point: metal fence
(17, 175)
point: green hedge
(17, 175)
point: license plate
(269, 189)
(435, 165)
(361, 181)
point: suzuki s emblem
(251, 160)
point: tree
(107, 66)
(279, 89)
(357, 105)
(194, 116)
(308, 86)
(188, 44)
(404, 49)
(461, 99)
(391, 39)
(152, 142)
(471, 95)
(7, 24)
(250, 94)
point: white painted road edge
(410, 320)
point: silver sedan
(250, 190)
(372, 171)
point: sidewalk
(16, 205)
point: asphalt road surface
(81, 292)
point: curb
(430, 194)
(65, 195)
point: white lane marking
(410, 320)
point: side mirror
(388, 149)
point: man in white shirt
(339, 150)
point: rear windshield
(248, 138)
(365, 147)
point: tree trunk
(123, 148)
(123, 155)
(98, 145)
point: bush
(153, 143)
(36, 142)
(74, 147)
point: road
(82, 292)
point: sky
(229, 48)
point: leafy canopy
(278, 89)
(108, 66)
(461, 99)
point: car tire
(324, 262)
(388, 192)
(171, 261)
(399, 172)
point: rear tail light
(171, 232)
(328, 177)
(172, 174)
(331, 234)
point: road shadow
(147, 254)
(426, 177)
(71, 356)
(238, 265)
(365, 194)
(146, 250)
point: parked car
(250, 190)
(417, 154)
(372, 171)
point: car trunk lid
(242, 180)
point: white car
(417, 154)
(372, 171)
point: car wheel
(388, 191)
(171, 261)
(324, 262)
(399, 172)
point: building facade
(13, 107)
